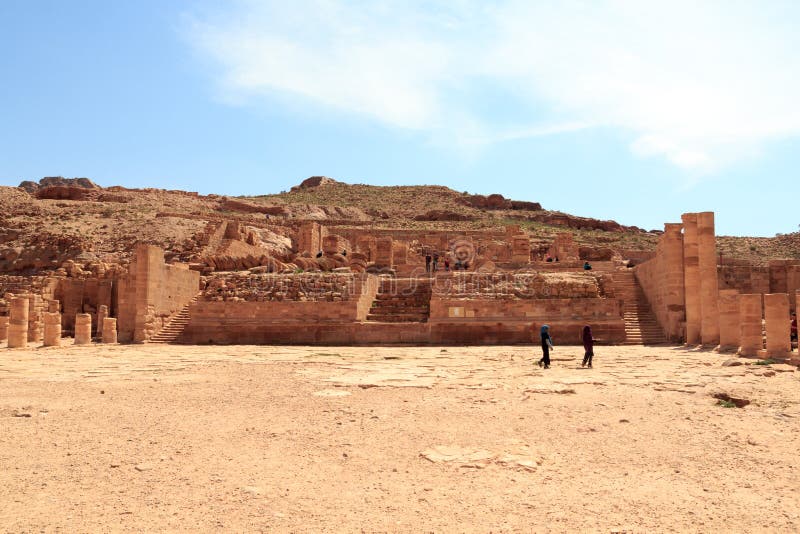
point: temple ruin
(350, 285)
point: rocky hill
(45, 223)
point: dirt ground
(478, 439)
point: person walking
(547, 346)
(588, 346)
(427, 262)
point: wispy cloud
(701, 84)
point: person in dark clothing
(319, 254)
(588, 346)
(446, 264)
(428, 262)
(435, 261)
(793, 328)
(587, 266)
(344, 253)
(547, 346)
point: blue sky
(633, 111)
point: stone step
(385, 310)
(397, 318)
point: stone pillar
(52, 329)
(728, 319)
(3, 328)
(109, 330)
(384, 252)
(18, 324)
(83, 329)
(35, 325)
(102, 313)
(691, 278)
(709, 293)
(750, 339)
(520, 248)
(776, 316)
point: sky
(635, 111)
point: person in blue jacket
(547, 346)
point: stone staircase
(641, 325)
(401, 300)
(174, 328)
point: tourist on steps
(587, 266)
(547, 346)
(588, 346)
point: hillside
(46, 223)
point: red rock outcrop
(498, 202)
(314, 181)
(443, 215)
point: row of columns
(688, 290)
(15, 327)
(745, 319)
(742, 327)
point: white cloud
(701, 84)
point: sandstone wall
(83, 295)
(151, 293)
(459, 321)
(247, 286)
(662, 280)
(530, 285)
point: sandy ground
(479, 439)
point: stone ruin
(348, 285)
(735, 307)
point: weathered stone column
(109, 330)
(3, 328)
(707, 254)
(18, 324)
(52, 329)
(83, 329)
(728, 319)
(674, 299)
(35, 325)
(691, 278)
(776, 316)
(750, 340)
(102, 313)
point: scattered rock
(733, 362)
(143, 467)
(471, 457)
(561, 390)
(255, 491)
(739, 402)
(331, 393)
